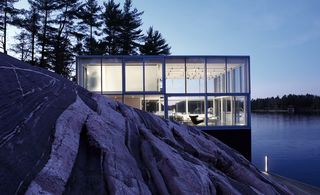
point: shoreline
(286, 111)
(295, 186)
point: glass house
(210, 92)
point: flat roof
(163, 56)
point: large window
(216, 75)
(112, 75)
(175, 75)
(195, 75)
(135, 101)
(226, 110)
(188, 110)
(92, 74)
(154, 104)
(194, 90)
(237, 71)
(240, 110)
(177, 109)
(134, 74)
(153, 74)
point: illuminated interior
(194, 90)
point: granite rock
(58, 138)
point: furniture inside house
(195, 120)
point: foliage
(298, 102)
(53, 32)
(89, 16)
(62, 54)
(29, 21)
(154, 44)
(130, 34)
(22, 45)
(112, 18)
(7, 16)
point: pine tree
(62, 54)
(45, 9)
(62, 57)
(22, 45)
(54, 31)
(29, 22)
(32, 21)
(112, 18)
(7, 16)
(130, 35)
(79, 34)
(1, 24)
(89, 14)
(154, 44)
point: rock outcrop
(58, 138)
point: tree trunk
(22, 50)
(32, 47)
(59, 45)
(90, 47)
(33, 34)
(44, 39)
(5, 29)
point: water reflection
(292, 143)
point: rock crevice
(58, 138)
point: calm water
(292, 143)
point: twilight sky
(281, 37)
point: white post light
(266, 164)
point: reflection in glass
(195, 75)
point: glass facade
(154, 104)
(227, 111)
(111, 76)
(91, 74)
(153, 75)
(189, 110)
(237, 73)
(175, 75)
(216, 75)
(134, 74)
(204, 91)
(195, 75)
(135, 101)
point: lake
(292, 143)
